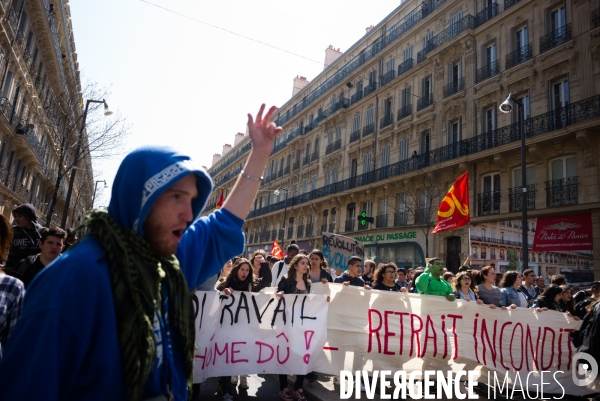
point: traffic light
(363, 219)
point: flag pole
(470, 250)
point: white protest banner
(337, 249)
(382, 330)
(248, 333)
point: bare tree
(70, 147)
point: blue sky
(186, 84)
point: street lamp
(96, 190)
(277, 192)
(507, 107)
(107, 112)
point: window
(338, 132)
(454, 73)
(370, 116)
(353, 168)
(326, 174)
(425, 87)
(526, 109)
(563, 168)
(307, 153)
(383, 206)
(491, 183)
(490, 54)
(560, 94)
(454, 134)
(304, 186)
(294, 190)
(329, 137)
(313, 182)
(408, 53)
(518, 179)
(404, 148)
(387, 107)
(453, 24)
(406, 97)
(335, 173)
(489, 119)
(390, 65)
(367, 162)
(356, 123)
(474, 249)
(557, 19)
(426, 38)
(424, 142)
(521, 39)
(385, 156)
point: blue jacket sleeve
(208, 244)
(504, 301)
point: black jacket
(25, 243)
(289, 288)
(356, 281)
(29, 268)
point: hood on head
(27, 210)
(144, 175)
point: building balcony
(454, 87)
(386, 121)
(424, 102)
(280, 173)
(421, 56)
(356, 97)
(405, 66)
(310, 126)
(488, 71)
(465, 23)
(387, 78)
(306, 160)
(13, 19)
(355, 136)
(515, 198)
(273, 235)
(381, 221)
(422, 215)
(488, 203)
(314, 156)
(290, 232)
(562, 192)
(368, 129)
(309, 230)
(296, 166)
(400, 219)
(300, 231)
(404, 112)
(349, 226)
(519, 56)
(332, 226)
(555, 38)
(332, 147)
(369, 89)
(287, 169)
(279, 146)
(486, 14)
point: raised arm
(262, 134)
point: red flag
(276, 250)
(454, 209)
(220, 201)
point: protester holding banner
(260, 267)
(549, 299)
(318, 268)
(432, 283)
(566, 302)
(369, 272)
(511, 295)
(487, 290)
(352, 276)
(295, 282)
(464, 288)
(528, 287)
(280, 268)
(384, 278)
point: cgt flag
(454, 209)
(276, 250)
(220, 201)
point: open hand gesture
(262, 132)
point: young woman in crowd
(260, 266)
(296, 282)
(511, 295)
(487, 291)
(548, 300)
(449, 277)
(318, 268)
(566, 302)
(464, 288)
(415, 274)
(385, 278)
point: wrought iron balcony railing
(306, 160)
(400, 219)
(381, 221)
(562, 192)
(323, 228)
(387, 78)
(422, 215)
(356, 97)
(405, 66)
(486, 14)
(515, 198)
(290, 232)
(331, 227)
(332, 147)
(510, 3)
(454, 87)
(488, 71)
(555, 38)
(386, 121)
(424, 102)
(300, 232)
(349, 227)
(404, 112)
(309, 230)
(488, 203)
(369, 89)
(368, 129)
(296, 166)
(355, 136)
(314, 156)
(519, 56)
(596, 18)
(287, 169)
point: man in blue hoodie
(112, 319)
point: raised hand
(262, 132)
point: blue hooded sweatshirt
(66, 345)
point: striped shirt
(12, 292)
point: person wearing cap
(27, 235)
(280, 268)
(112, 319)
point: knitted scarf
(136, 276)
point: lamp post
(507, 107)
(107, 112)
(96, 190)
(277, 192)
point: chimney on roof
(216, 158)
(226, 149)
(368, 29)
(205, 168)
(238, 138)
(331, 54)
(299, 83)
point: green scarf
(136, 275)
